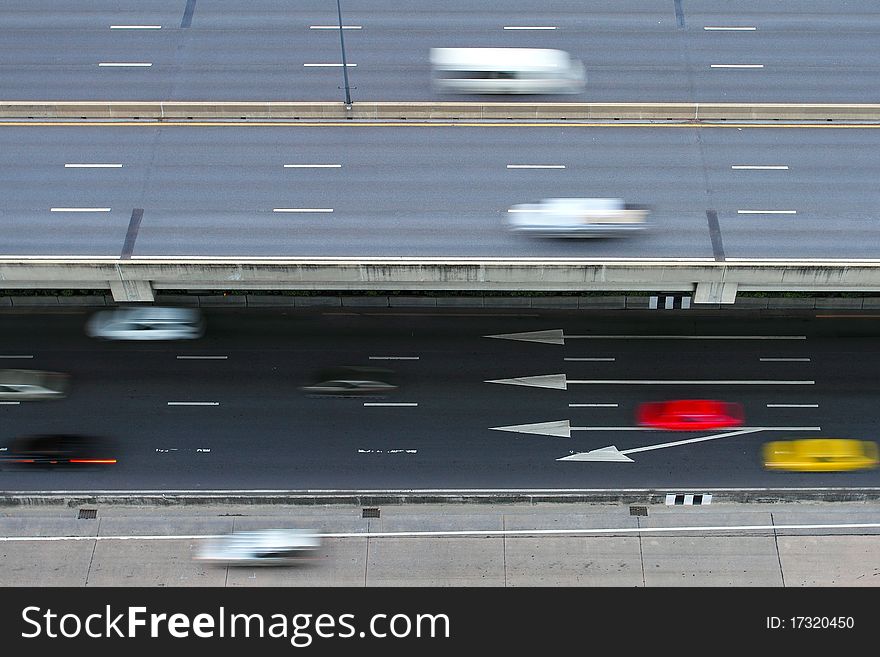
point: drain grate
(638, 510)
(370, 512)
(87, 514)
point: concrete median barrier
(711, 282)
(335, 111)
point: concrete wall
(712, 282)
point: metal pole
(344, 64)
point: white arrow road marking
(559, 382)
(556, 336)
(563, 429)
(555, 381)
(613, 454)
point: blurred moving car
(59, 449)
(26, 385)
(146, 323)
(351, 380)
(349, 387)
(268, 547)
(820, 455)
(506, 71)
(578, 217)
(690, 414)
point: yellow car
(820, 455)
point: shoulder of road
(371, 545)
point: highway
(462, 418)
(633, 50)
(716, 193)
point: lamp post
(344, 64)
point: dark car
(346, 387)
(351, 381)
(59, 449)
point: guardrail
(136, 279)
(173, 110)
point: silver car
(146, 323)
(578, 217)
(27, 385)
(268, 547)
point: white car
(578, 217)
(21, 385)
(268, 547)
(146, 323)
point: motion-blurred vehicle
(59, 449)
(346, 387)
(690, 414)
(578, 217)
(146, 323)
(506, 71)
(351, 380)
(26, 385)
(268, 547)
(820, 455)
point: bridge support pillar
(715, 293)
(132, 291)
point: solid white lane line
(302, 209)
(334, 27)
(193, 403)
(592, 405)
(340, 65)
(135, 27)
(92, 166)
(666, 382)
(535, 166)
(390, 404)
(766, 211)
(312, 166)
(736, 65)
(393, 358)
(15, 356)
(590, 359)
(761, 167)
(784, 360)
(731, 29)
(735, 429)
(792, 405)
(475, 532)
(79, 209)
(10, 403)
(202, 357)
(523, 27)
(135, 64)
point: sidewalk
(514, 545)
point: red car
(690, 414)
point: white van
(506, 71)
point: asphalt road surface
(633, 50)
(422, 190)
(252, 428)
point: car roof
(272, 538)
(154, 313)
(499, 59)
